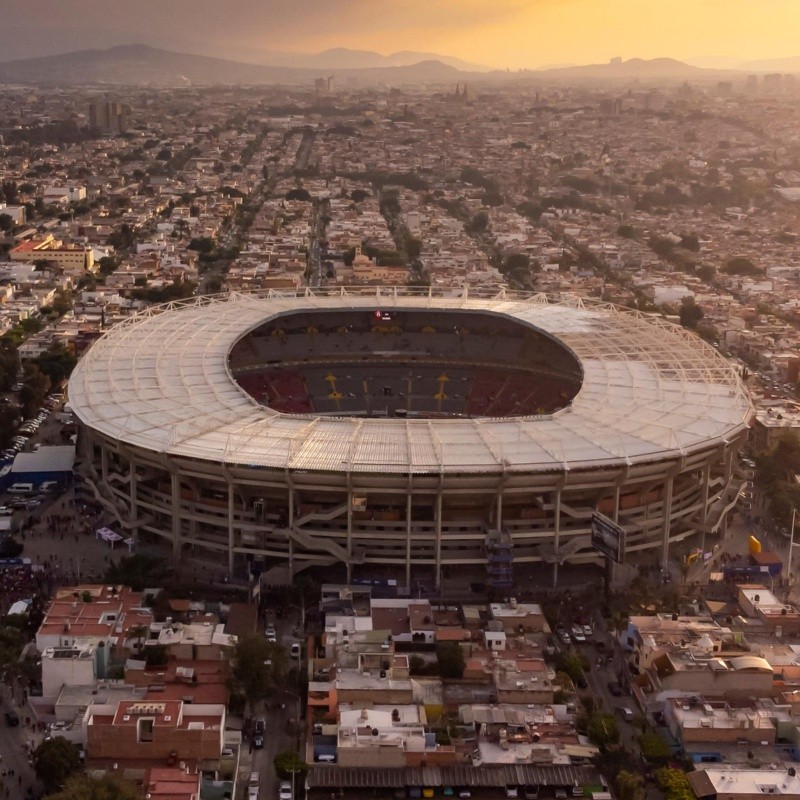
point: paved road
(13, 755)
(279, 722)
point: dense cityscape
(174, 633)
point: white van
(20, 488)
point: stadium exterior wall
(233, 515)
(410, 522)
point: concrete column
(176, 514)
(704, 510)
(231, 498)
(666, 512)
(616, 503)
(291, 527)
(499, 510)
(104, 463)
(439, 539)
(408, 539)
(134, 501)
(349, 533)
(556, 535)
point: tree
(85, 787)
(689, 241)
(62, 302)
(137, 571)
(108, 264)
(54, 760)
(259, 668)
(742, 266)
(11, 643)
(602, 729)
(299, 194)
(450, 658)
(517, 267)
(139, 633)
(35, 385)
(629, 786)
(204, 244)
(654, 748)
(56, 363)
(9, 365)
(289, 763)
(690, 313)
(479, 223)
(674, 784)
(626, 231)
(6, 222)
(706, 273)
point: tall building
(108, 115)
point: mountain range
(143, 65)
(344, 58)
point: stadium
(406, 432)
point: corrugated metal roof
(491, 775)
(160, 381)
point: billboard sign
(608, 538)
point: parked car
(12, 720)
(625, 713)
(272, 636)
(577, 634)
(615, 688)
(285, 790)
(296, 650)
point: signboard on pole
(608, 538)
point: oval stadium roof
(651, 390)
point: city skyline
(505, 34)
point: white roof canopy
(161, 381)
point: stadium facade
(406, 431)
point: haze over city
(399, 400)
(495, 33)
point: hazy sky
(499, 33)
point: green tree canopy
(35, 386)
(629, 786)
(137, 571)
(450, 658)
(259, 668)
(84, 787)
(674, 783)
(479, 223)
(205, 244)
(56, 363)
(602, 728)
(654, 748)
(742, 266)
(54, 760)
(690, 313)
(775, 476)
(287, 763)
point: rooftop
(161, 381)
